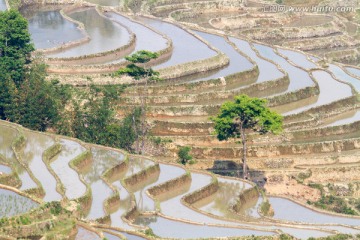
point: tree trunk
(243, 140)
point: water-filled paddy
(282, 207)
(4, 169)
(146, 39)
(297, 58)
(167, 172)
(298, 78)
(74, 188)
(105, 34)
(84, 234)
(128, 236)
(226, 197)
(12, 203)
(186, 47)
(111, 236)
(355, 71)
(105, 2)
(267, 70)
(330, 91)
(169, 228)
(7, 136)
(102, 160)
(49, 29)
(343, 119)
(238, 63)
(343, 76)
(35, 146)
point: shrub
(183, 154)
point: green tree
(236, 119)
(15, 45)
(184, 154)
(145, 74)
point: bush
(183, 154)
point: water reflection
(186, 48)
(74, 188)
(330, 91)
(298, 78)
(105, 35)
(7, 136)
(35, 146)
(267, 70)
(49, 29)
(146, 39)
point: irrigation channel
(130, 193)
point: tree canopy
(15, 45)
(245, 114)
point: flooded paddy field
(104, 34)
(14, 204)
(49, 29)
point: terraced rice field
(114, 194)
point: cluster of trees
(27, 98)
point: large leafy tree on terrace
(236, 119)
